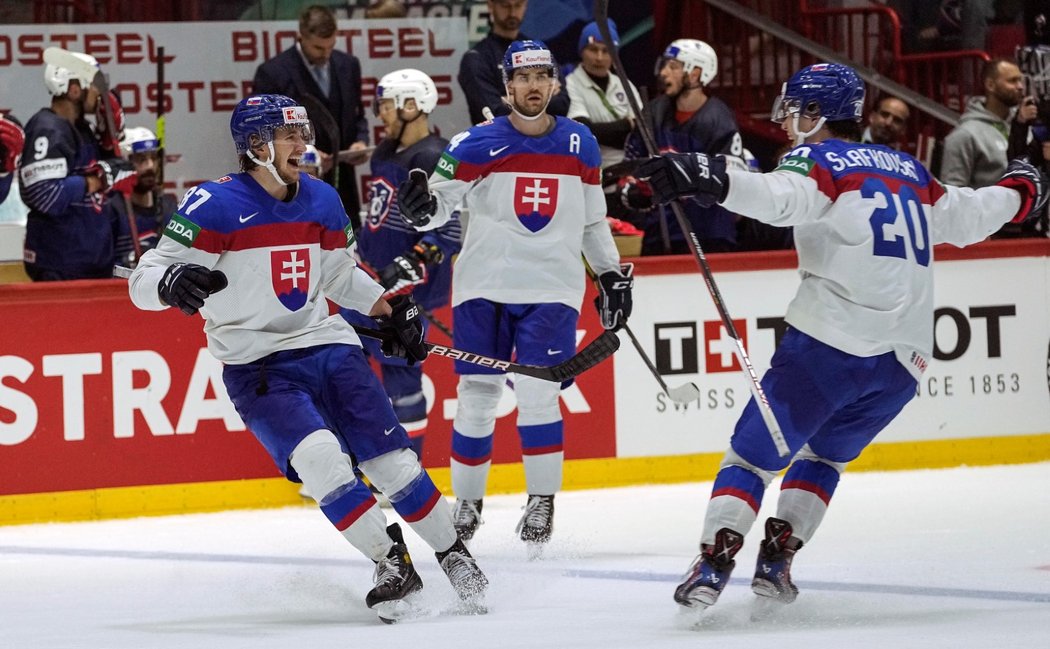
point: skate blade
(395, 610)
(690, 616)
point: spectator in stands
(598, 97)
(63, 182)
(152, 207)
(386, 9)
(480, 73)
(686, 119)
(975, 150)
(12, 141)
(887, 122)
(944, 25)
(328, 83)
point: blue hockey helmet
(827, 90)
(527, 54)
(256, 118)
(590, 34)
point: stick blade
(595, 352)
(684, 393)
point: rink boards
(107, 411)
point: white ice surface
(948, 558)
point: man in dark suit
(328, 83)
(480, 70)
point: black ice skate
(466, 578)
(466, 518)
(710, 571)
(773, 571)
(537, 522)
(396, 578)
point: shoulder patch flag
(180, 229)
(797, 164)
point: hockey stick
(161, 123)
(595, 352)
(65, 59)
(601, 17)
(436, 321)
(681, 394)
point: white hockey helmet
(57, 79)
(693, 54)
(139, 139)
(402, 85)
(310, 161)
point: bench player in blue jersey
(297, 374)
(866, 218)
(530, 182)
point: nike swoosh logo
(245, 219)
(389, 430)
(553, 352)
(495, 152)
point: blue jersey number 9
(886, 222)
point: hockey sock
(735, 500)
(805, 494)
(422, 507)
(357, 516)
(542, 455)
(471, 459)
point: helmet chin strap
(404, 123)
(800, 137)
(268, 165)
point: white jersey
(282, 260)
(866, 218)
(534, 204)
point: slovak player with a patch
(258, 254)
(530, 183)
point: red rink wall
(106, 410)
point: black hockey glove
(414, 199)
(676, 175)
(635, 194)
(614, 296)
(187, 285)
(410, 268)
(1031, 183)
(406, 328)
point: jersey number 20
(904, 205)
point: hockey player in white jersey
(296, 374)
(866, 219)
(530, 182)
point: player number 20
(885, 222)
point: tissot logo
(676, 348)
